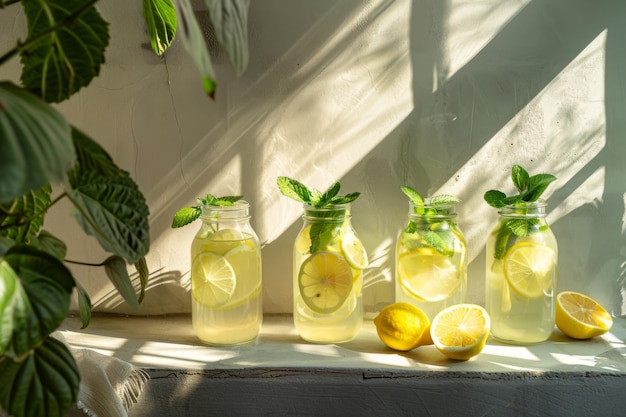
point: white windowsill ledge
(280, 374)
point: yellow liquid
(239, 320)
(341, 325)
(514, 318)
(446, 283)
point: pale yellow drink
(521, 275)
(226, 280)
(431, 261)
(328, 280)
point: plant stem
(69, 261)
(68, 21)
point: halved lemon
(428, 275)
(353, 250)
(325, 282)
(530, 269)
(212, 280)
(580, 316)
(461, 331)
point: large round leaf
(44, 383)
(59, 63)
(35, 143)
(35, 290)
(22, 218)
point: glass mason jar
(226, 277)
(328, 263)
(431, 259)
(522, 268)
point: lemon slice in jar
(529, 269)
(353, 250)
(428, 275)
(325, 282)
(212, 280)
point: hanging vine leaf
(118, 274)
(193, 40)
(230, 20)
(34, 298)
(44, 383)
(161, 22)
(35, 143)
(65, 47)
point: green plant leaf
(444, 199)
(5, 244)
(520, 178)
(193, 41)
(65, 47)
(294, 189)
(118, 274)
(142, 270)
(35, 143)
(84, 305)
(345, 199)
(34, 297)
(537, 184)
(522, 227)
(495, 198)
(332, 191)
(413, 195)
(107, 203)
(21, 219)
(49, 243)
(161, 22)
(113, 210)
(185, 216)
(44, 383)
(230, 20)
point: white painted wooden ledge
(281, 375)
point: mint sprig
(188, 215)
(529, 189)
(435, 236)
(321, 234)
(299, 192)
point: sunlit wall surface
(443, 96)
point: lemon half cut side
(461, 331)
(580, 316)
(325, 282)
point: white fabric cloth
(109, 387)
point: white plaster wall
(441, 95)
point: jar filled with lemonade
(521, 263)
(226, 293)
(431, 255)
(328, 264)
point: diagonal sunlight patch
(469, 27)
(561, 131)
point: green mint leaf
(185, 216)
(209, 200)
(495, 198)
(522, 227)
(294, 189)
(330, 193)
(437, 242)
(316, 198)
(444, 199)
(413, 195)
(348, 198)
(502, 240)
(228, 200)
(322, 234)
(520, 178)
(537, 184)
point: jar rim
(539, 203)
(237, 205)
(330, 207)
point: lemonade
(328, 262)
(521, 275)
(226, 277)
(431, 262)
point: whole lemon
(402, 326)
